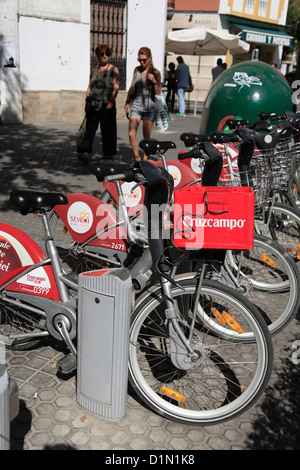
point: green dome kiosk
(243, 91)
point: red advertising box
(214, 217)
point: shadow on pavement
(278, 426)
(45, 158)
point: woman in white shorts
(140, 103)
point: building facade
(261, 24)
(47, 49)
(192, 14)
(47, 46)
(258, 22)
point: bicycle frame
(35, 282)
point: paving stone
(60, 430)
(79, 438)
(39, 440)
(62, 415)
(42, 423)
(139, 443)
(139, 427)
(45, 409)
(157, 435)
(179, 443)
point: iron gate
(109, 26)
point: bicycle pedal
(67, 364)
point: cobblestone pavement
(50, 417)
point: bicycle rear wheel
(14, 321)
(230, 374)
(269, 278)
(284, 228)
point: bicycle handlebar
(221, 138)
(128, 175)
(159, 186)
(267, 141)
(233, 123)
(269, 116)
(204, 150)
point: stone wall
(60, 106)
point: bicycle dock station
(105, 298)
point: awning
(263, 36)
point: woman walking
(140, 103)
(100, 106)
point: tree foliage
(293, 21)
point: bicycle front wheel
(229, 376)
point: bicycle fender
(88, 219)
(18, 252)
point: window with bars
(249, 7)
(108, 26)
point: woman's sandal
(83, 157)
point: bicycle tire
(230, 375)
(14, 320)
(284, 228)
(295, 188)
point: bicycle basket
(282, 161)
(258, 177)
(214, 218)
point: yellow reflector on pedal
(224, 317)
(64, 230)
(266, 259)
(298, 251)
(172, 394)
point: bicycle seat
(190, 139)
(102, 169)
(153, 147)
(31, 200)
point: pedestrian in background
(216, 71)
(182, 73)
(140, 102)
(101, 106)
(171, 86)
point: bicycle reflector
(267, 260)
(169, 392)
(225, 317)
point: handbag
(80, 132)
(162, 117)
(190, 88)
(93, 103)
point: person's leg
(173, 99)
(108, 125)
(147, 129)
(181, 102)
(92, 122)
(134, 122)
